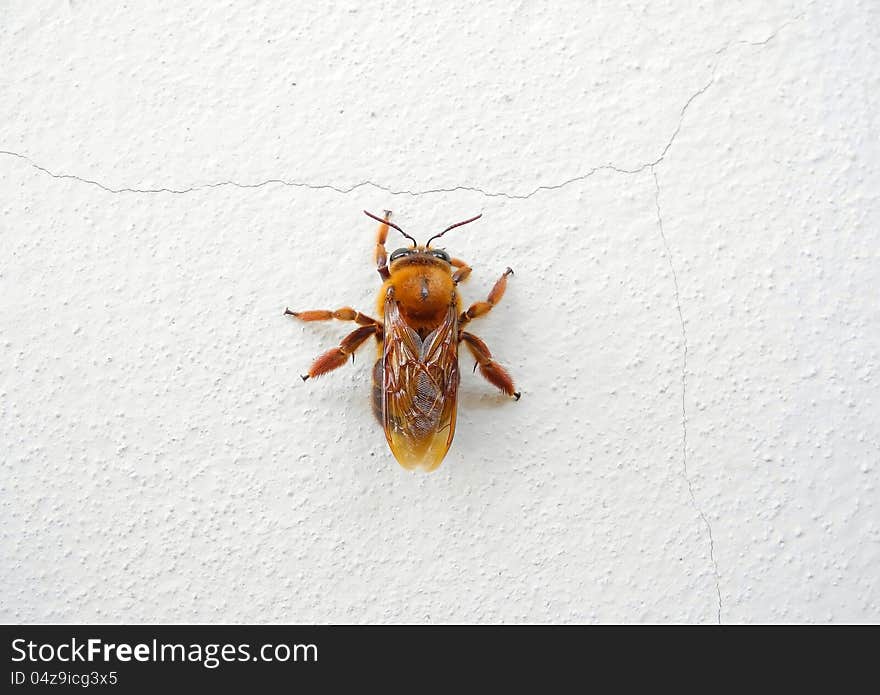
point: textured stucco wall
(689, 197)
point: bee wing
(419, 389)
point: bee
(416, 373)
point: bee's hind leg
(493, 372)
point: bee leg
(493, 372)
(381, 254)
(336, 357)
(343, 314)
(464, 270)
(478, 309)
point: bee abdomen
(377, 390)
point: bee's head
(420, 255)
(417, 253)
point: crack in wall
(373, 184)
(387, 189)
(677, 294)
(451, 189)
(684, 355)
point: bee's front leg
(463, 272)
(344, 314)
(381, 254)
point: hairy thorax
(423, 289)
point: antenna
(391, 224)
(452, 226)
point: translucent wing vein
(420, 388)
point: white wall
(689, 198)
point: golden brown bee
(415, 378)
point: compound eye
(400, 253)
(442, 255)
